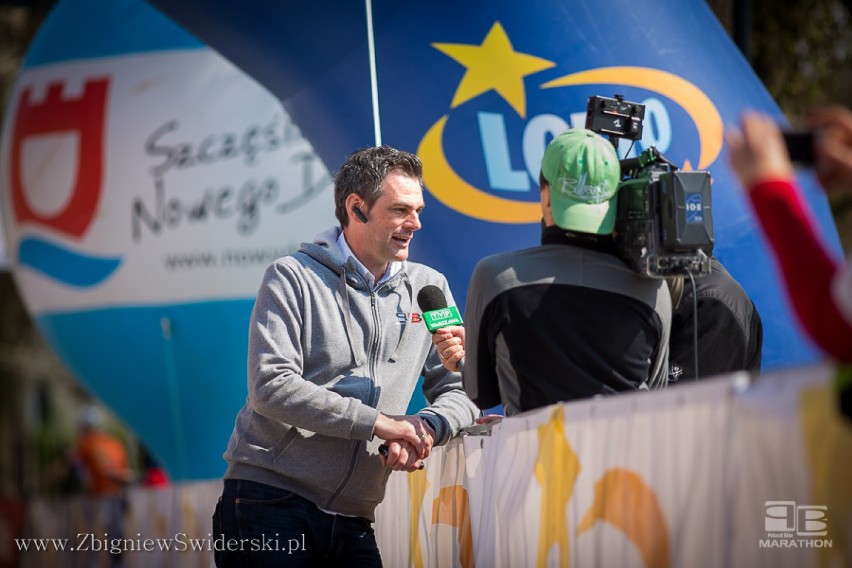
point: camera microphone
(436, 313)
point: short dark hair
(364, 171)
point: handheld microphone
(436, 313)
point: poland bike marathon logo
(40, 127)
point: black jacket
(562, 321)
(730, 333)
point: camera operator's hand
(834, 146)
(449, 341)
(757, 151)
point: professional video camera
(664, 225)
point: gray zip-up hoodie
(326, 355)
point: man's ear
(546, 215)
(545, 194)
(354, 203)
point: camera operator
(568, 319)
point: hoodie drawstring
(343, 303)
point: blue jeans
(259, 525)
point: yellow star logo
(493, 65)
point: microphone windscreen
(431, 298)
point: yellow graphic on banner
(556, 470)
(622, 499)
(418, 485)
(452, 508)
(493, 65)
(626, 502)
(828, 448)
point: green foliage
(803, 52)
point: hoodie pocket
(317, 460)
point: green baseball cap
(583, 172)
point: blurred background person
(102, 461)
(153, 474)
(101, 458)
(818, 284)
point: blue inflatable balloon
(479, 89)
(147, 184)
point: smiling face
(391, 223)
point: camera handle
(646, 158)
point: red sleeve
(807, 266)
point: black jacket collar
(554, 235)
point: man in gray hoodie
(336, 348)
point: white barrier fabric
(162, 527)
(719, 473)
